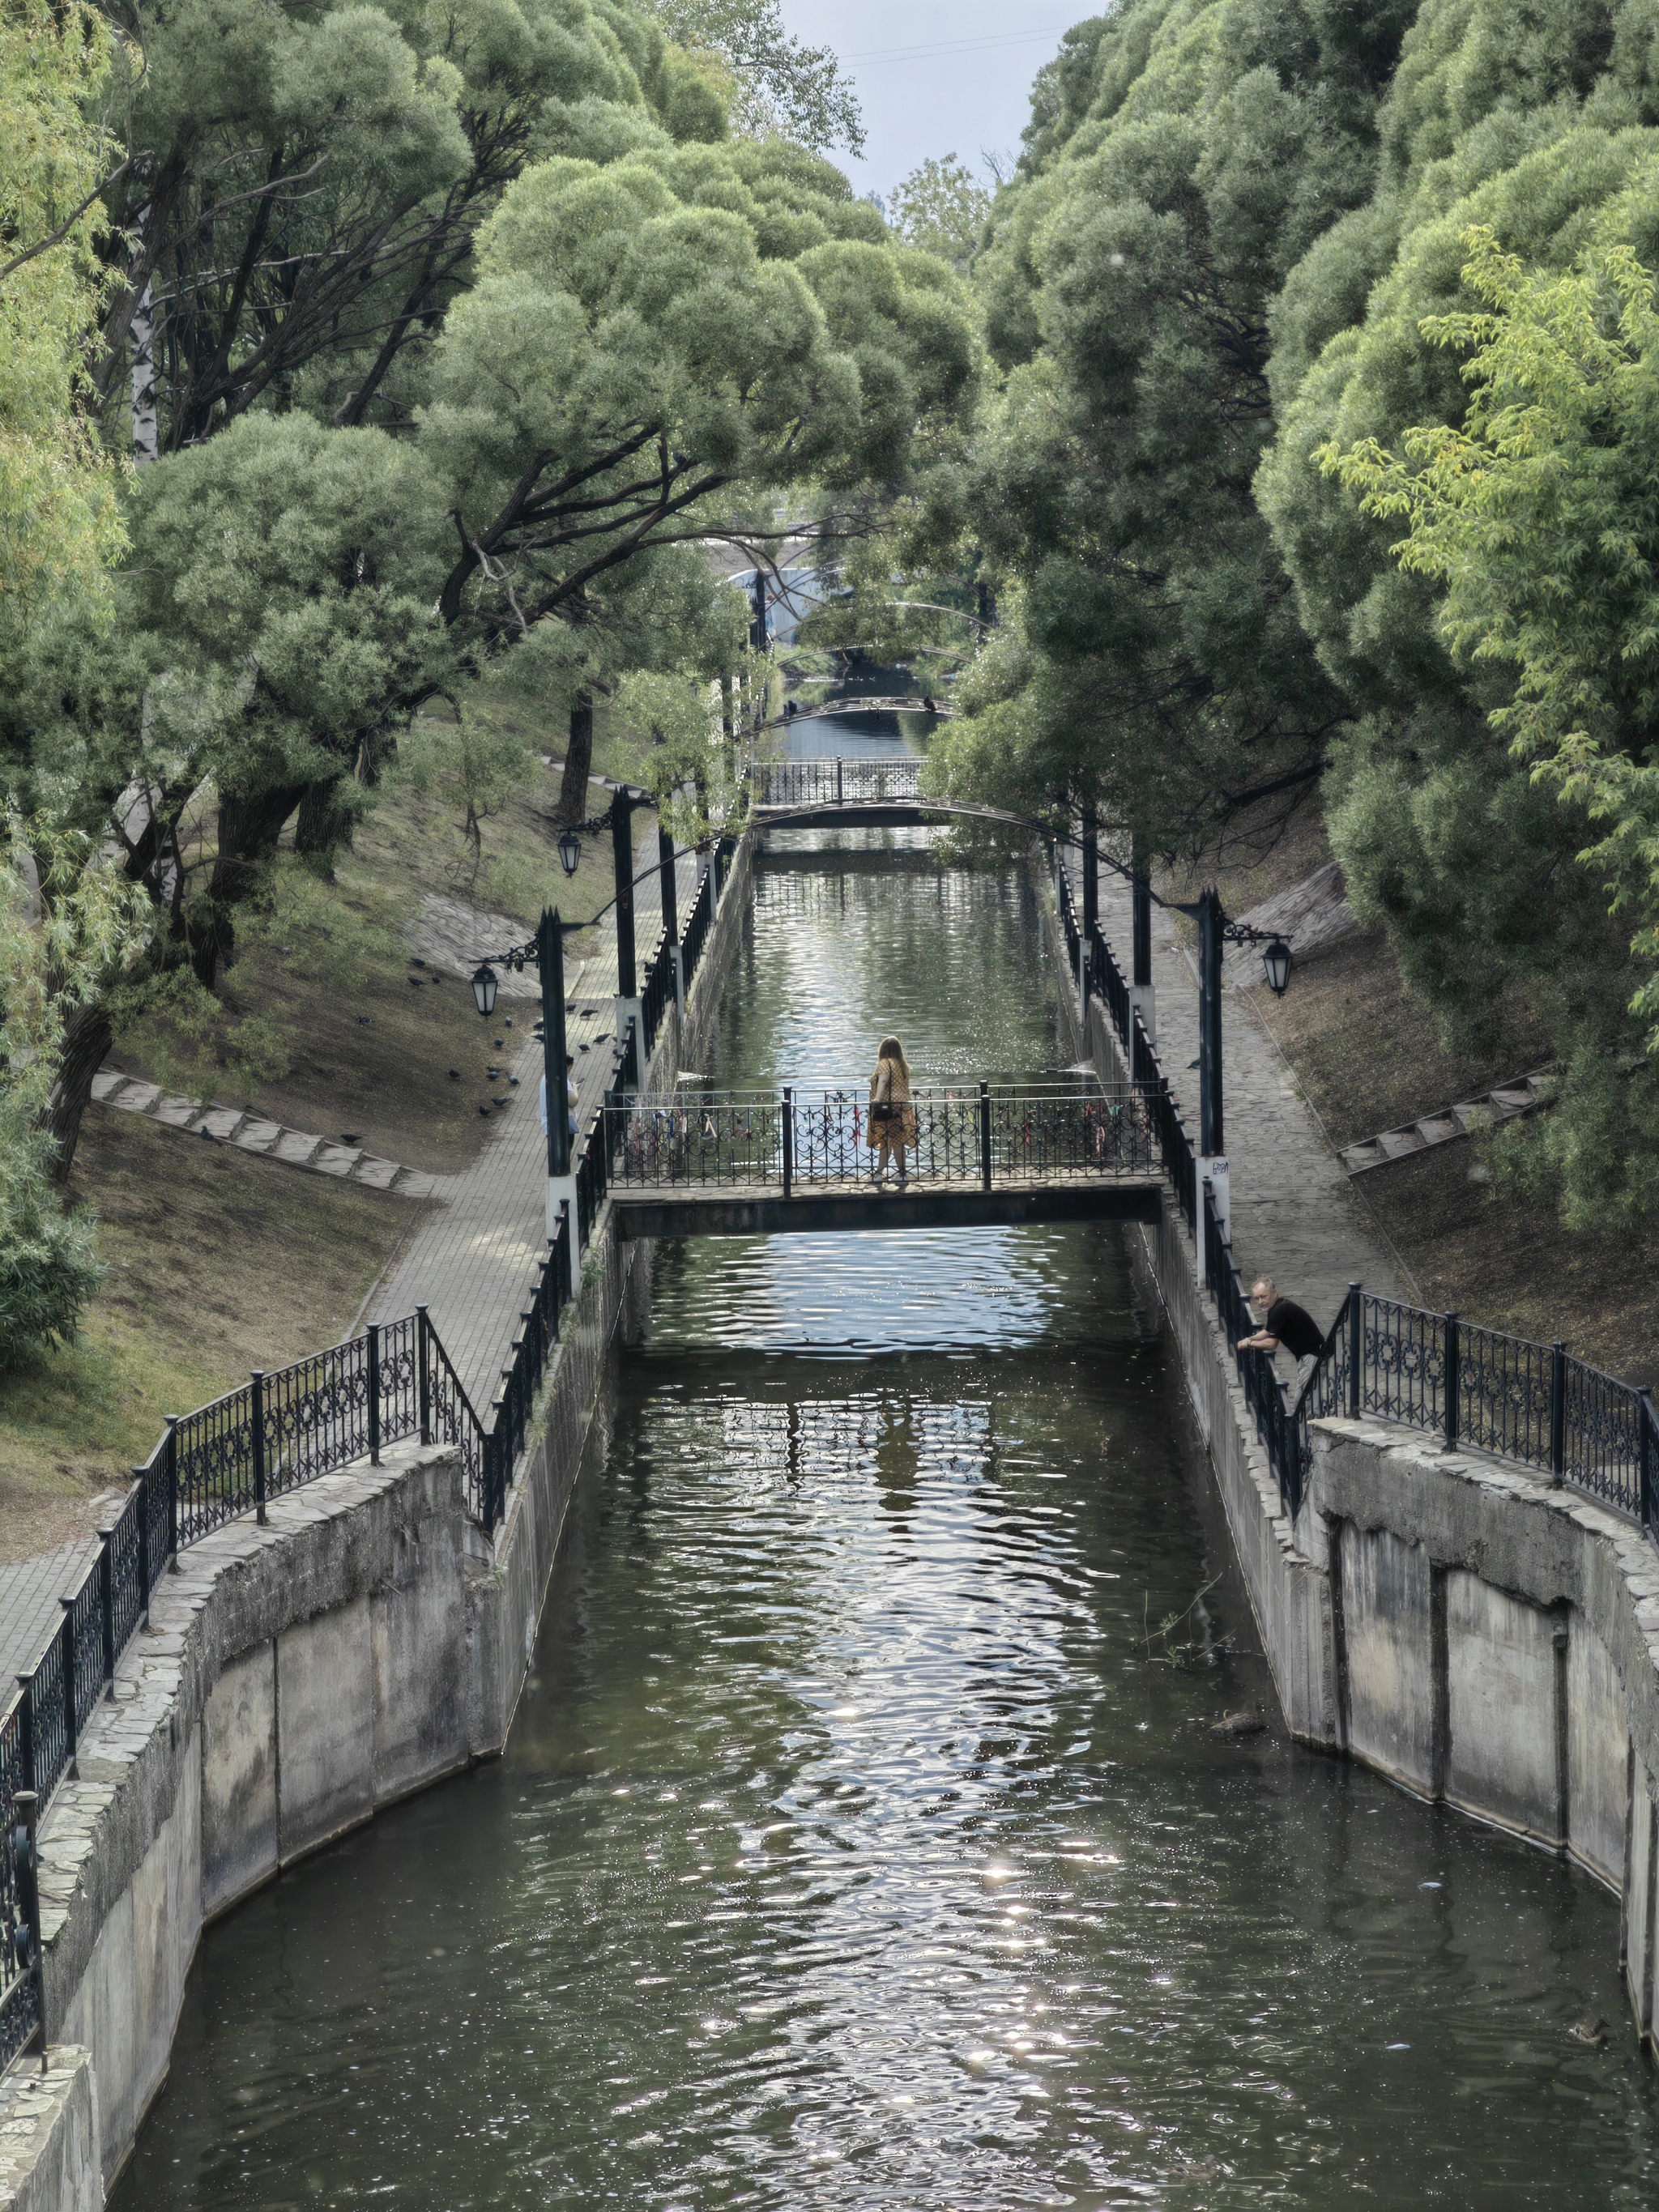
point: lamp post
(546, 949)
(1215, 933)
(630, 1014)
(1143, 998)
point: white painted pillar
(562, 1205)
(1143, 1001)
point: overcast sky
(934, 76)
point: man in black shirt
(1283, 1322)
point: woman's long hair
(890, 1048)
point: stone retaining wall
(1484, 1640)
(293, 1680)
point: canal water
(865, 1840)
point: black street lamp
(1215, 933)
(483, 989)
(570, 850)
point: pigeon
(417, 963)
(363, 1020)
(492, 1072)
(455, 1075)
(570, 1005)
(514, 1080)
(498, 1042)
(484, 1109)
(208, 1134)
(507, 1021)
(352, 1137)
(1592, 2032)
(928, 708)
(414, 981)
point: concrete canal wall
(293, 1680)
(1484, 1640)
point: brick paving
(29, 1610)
(1295, 1213)
(473, 1262)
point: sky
(934, 76)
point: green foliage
(940, 208)
(781, 87)
(70, 928)
(59, 519)
(1237, 240)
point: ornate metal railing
(835, 782)
(983, 1134)
(1433, 1372)
(657, 993)
(694, 935)
(279, 1431)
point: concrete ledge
(49, 2158)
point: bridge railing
(835, 782)
(965, 1134)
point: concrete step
(1501, 1104)
(251, 1132)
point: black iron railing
(657, 994)
(984, 1135)
(1435, 1373)
(694, 935)
(835, 782)
(279, 1431)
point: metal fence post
(374, 1394)
(1356, 1348)
(838, 785)
(985, 1136)
(423, 1368)
(106, 1607)
(256, 1398)
(170, 1460)
(788, 1139)
(1558, 1413)
(1452, 1386)
(70, 1704)
(1648, 1474)
(141, 1476)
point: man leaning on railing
(1283, 1322)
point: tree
(1180, 161)
(306, 186)
(940, 208)
(655, 349)
(1538, 517)
(783, 87)
(71, 928)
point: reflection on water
(864, 1840)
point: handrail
(1472, 1388)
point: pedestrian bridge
(843, 793)
(733, 1164)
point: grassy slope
(1368, 1058)
(220, 1262)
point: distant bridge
(859, 792)
(733, 1164)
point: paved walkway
(473, 1262)
(1295, 1213)
(29, 1608)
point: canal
(865, 1838)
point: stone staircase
(1502, 1103)
(251, 1133)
